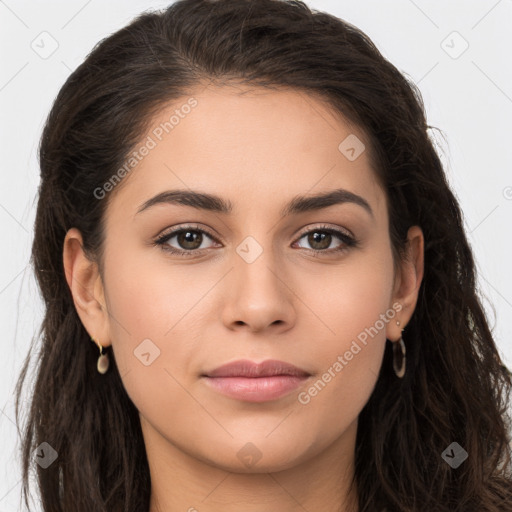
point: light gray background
(468, 95)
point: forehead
(250, 145)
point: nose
(259, 296)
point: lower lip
(255, 389)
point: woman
(259, 293)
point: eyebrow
(298, 204)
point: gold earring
(103, 360)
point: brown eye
(189, 240)
(321, 238)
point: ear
(407, 283)
(85, 284)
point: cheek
(148, 300)
(155, 326)
(350, 298)
(351, 312)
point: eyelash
(348, 241)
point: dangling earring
(399, 356)
(103, 360)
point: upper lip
(247, 368)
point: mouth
(256, 382)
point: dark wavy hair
(456, 388)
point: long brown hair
(456, 389)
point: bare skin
(257, 150)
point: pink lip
(253, 382)
(247, 368)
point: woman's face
(250, 285)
